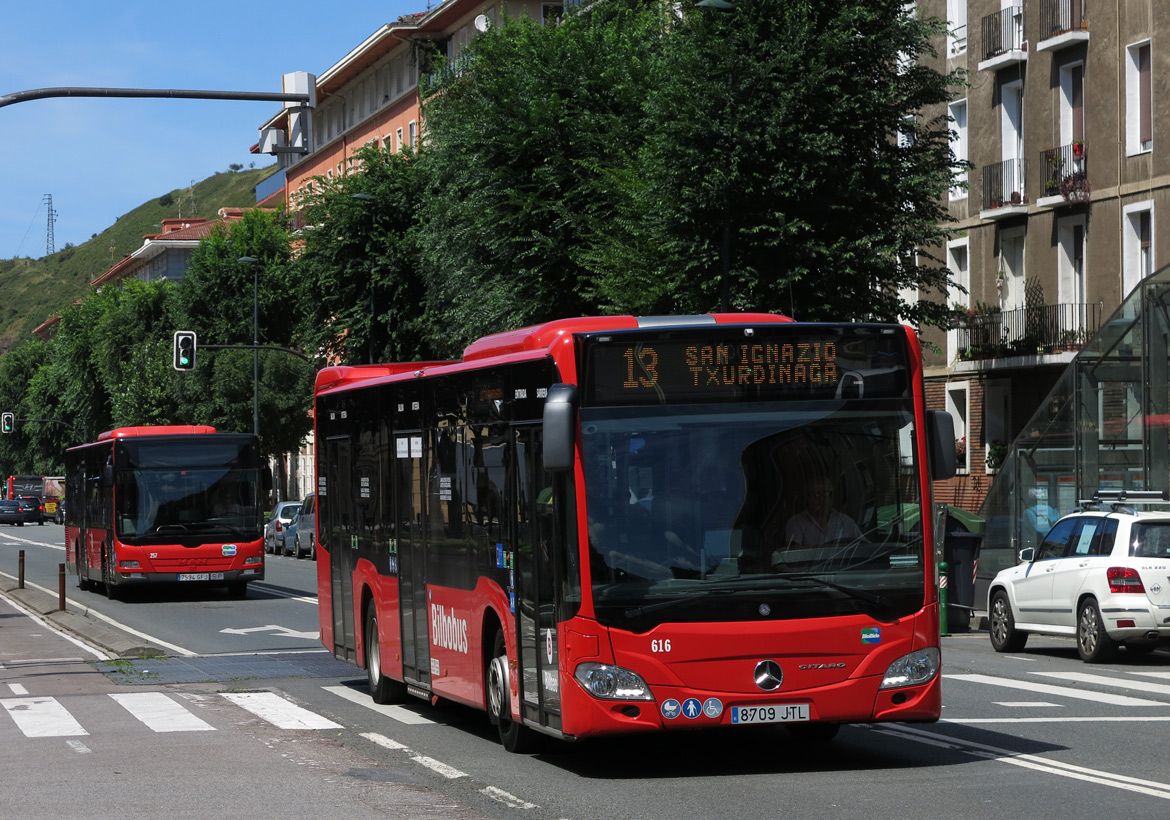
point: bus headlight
(913, 669)
(254, 559)
(609, 682)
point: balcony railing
(1028, 331)
(1003, 184)
(1059, 17)
(1003, 32)
(1066, 172)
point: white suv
(1101, 574)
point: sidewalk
(81, 625)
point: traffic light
(184, 350)
(8, 422)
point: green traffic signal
(8, 424)
(184, 354)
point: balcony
(1062, 23)
(1003, 190)
(1003, 39)
(1066, 178)
(1028, 331)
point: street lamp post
(255, 264)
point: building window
(1138, 245)
(412, 127)
(957, 406)
(959, 291)
(956, 27)
(1139, 102)
(552, 13)
(1072, 103)
(398, 141)
(958, 112)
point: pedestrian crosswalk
(160, 712)
(1136, 693)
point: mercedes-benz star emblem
(769, 675)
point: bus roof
(532, 341)
(173, 430)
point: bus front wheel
(514, 736)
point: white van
(307, 528)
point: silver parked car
(306, 537)
(280, 517)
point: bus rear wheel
(514, 736)
(382, 688)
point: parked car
(13, 512)
(288, 545)
(37, 516)
(280, 517)
(306, 536)
(1099, 575)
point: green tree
(792, 127)
(357, 274)
(525, 137)
(217, 298)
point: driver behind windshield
(819, 523)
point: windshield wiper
(853, 592)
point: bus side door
(410, 513)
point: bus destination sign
(791, 362)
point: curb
(90, 631)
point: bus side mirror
(560, 427)
(108, 475)
(941, 446)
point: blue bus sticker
(691, 708)
(229, 549)
(670, 709)
(871, 635)
(712, 707)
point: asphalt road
(1035, 734)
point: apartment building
(370, 96)
(1058, 218)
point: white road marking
(279, 711)
(42, 717)
(1106, 680)
(1024, 703)
(1151, 788)
(449, 772)
(383, 741)
(397, 713)
(17, 689)
(78, 747)
(1062, 691)
(509, 800)
(160, 713)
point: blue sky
(101, 158)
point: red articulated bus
(609, 525)
(166, 504)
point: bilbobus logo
(448, 631)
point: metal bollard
(942, 598)
(61, 587)
(20, 571)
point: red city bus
(16, 486)
(165, 504)
(594, 526)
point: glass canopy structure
(1105, 424)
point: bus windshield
(727, 512)
(187, 493)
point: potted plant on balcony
(996, 453)
(1075, 187)
(1078, 148)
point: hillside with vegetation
(38, 289)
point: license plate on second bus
(775, 713)
(200, 576)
